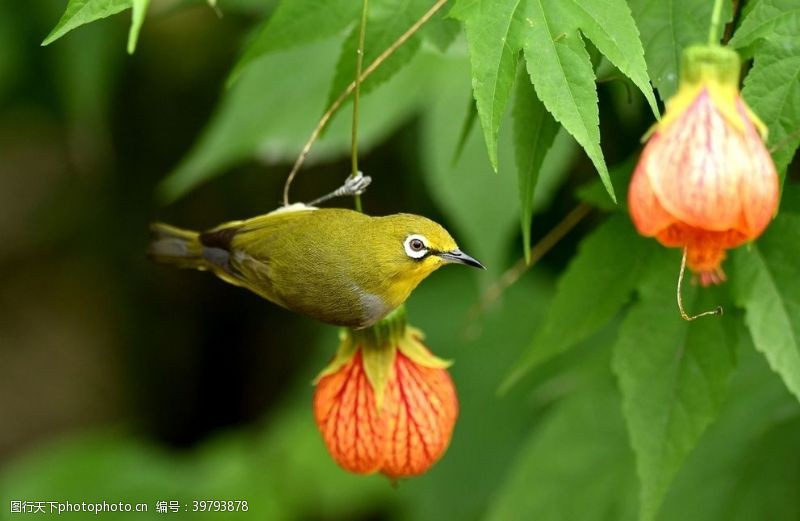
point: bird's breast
(373, 307)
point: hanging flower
(385, 403)
(705, 180)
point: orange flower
(385, 403)
(705, 180)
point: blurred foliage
(121, 381)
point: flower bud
(705, 180)
(385, 403)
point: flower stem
(385, 333)
(716, 311)
(713, 31)
(357, 98)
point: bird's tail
(177, 247)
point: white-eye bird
(335, 265)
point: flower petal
(647, 214)
(350, 423)
(759, 188)
(421, 412)
(695, 167)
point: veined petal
(696, 167)
(647, 214)
(759, 189)
(421, 413)
(351, 425)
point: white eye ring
(416, 246)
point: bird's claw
(353, 185)
(356, 184)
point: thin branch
(538, 251)
(349, 90)
(362, 31)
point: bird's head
(416, 246)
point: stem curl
(716, 311)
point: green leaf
(494, 32)
(667, 27)
(387, 21)
(555, 170)
(766, 285)
(251, 119)
(533, 133)
(610, 26)
(295, 23)
(745, 466)
(80, 12)
(790, 198)
(594, 192)
(441, 31)
(139, 11)
(595, 286)
(767, 485)
(272, 124)
(771, 20)
(740, 469)
(772, 87)
(466, 130)
(562, 74)
(576, 466)
(257, 9)
(673, 376)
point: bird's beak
(461, 258)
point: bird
(334, 265)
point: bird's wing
(256, 275)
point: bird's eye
(415, 246)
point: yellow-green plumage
(335, 265)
